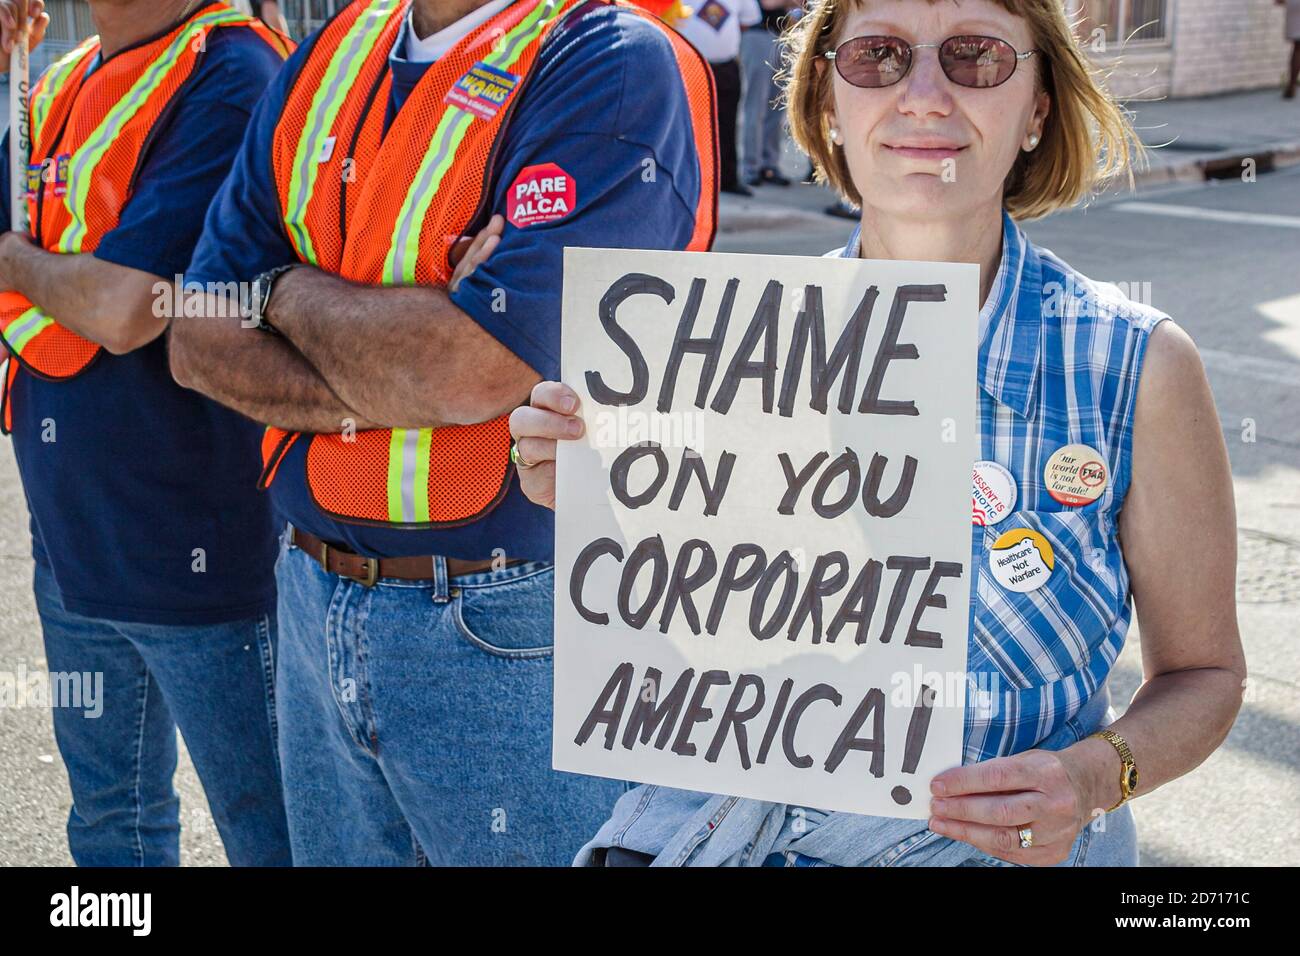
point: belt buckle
(372, 567)
(372, 573)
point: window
(70, 21)
(1121, 21)
(305, 16)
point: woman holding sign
(1103, 477)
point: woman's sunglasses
(975, 61)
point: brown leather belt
(367, 571)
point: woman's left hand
(985, 804)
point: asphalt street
(1223, 259)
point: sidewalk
(1190, 140)
(1215, 134)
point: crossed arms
(354, 355)
(109, 304)
(392, 357)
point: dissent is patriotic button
(993, 493)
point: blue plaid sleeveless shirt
(1059, 360)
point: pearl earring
(1033, 140)
(835, 135)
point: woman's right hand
(550, 415)
(10, 13)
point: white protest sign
(763, 540)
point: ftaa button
(1076, 475)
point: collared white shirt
(430, 48)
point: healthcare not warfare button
(993, 493)
(1075, 475)
(1021, 560)
(541, 193)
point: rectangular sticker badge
(61, 165)
(483, 90)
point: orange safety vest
(387, 209)
(90, 136)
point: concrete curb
(737, 214)
(1223, 164)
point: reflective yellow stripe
(339, 77)
(420, 479)
(85, 159)
(397, 441)
(26, 327)
(408, 475)
(51, 84)
(404, 250)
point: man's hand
(22, 238)
(479, 249)
(11, 14)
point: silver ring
(1026, 838)
(519, 459)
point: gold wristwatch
(1128, 774)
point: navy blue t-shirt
(145, 503)
(606, 105)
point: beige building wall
(1210, 46)
(1223, 45)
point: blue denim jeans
(215, 682)
(415, 720)
(1106, 841)
(761, 131)
(1110, 839)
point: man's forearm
(259, 375)
(109, 304)
(404, 355)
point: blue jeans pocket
(1078, 852)
(507, 613)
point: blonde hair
(1087, 139)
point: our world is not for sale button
(1075, 475)
(1021, 560)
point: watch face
(1131, 778)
